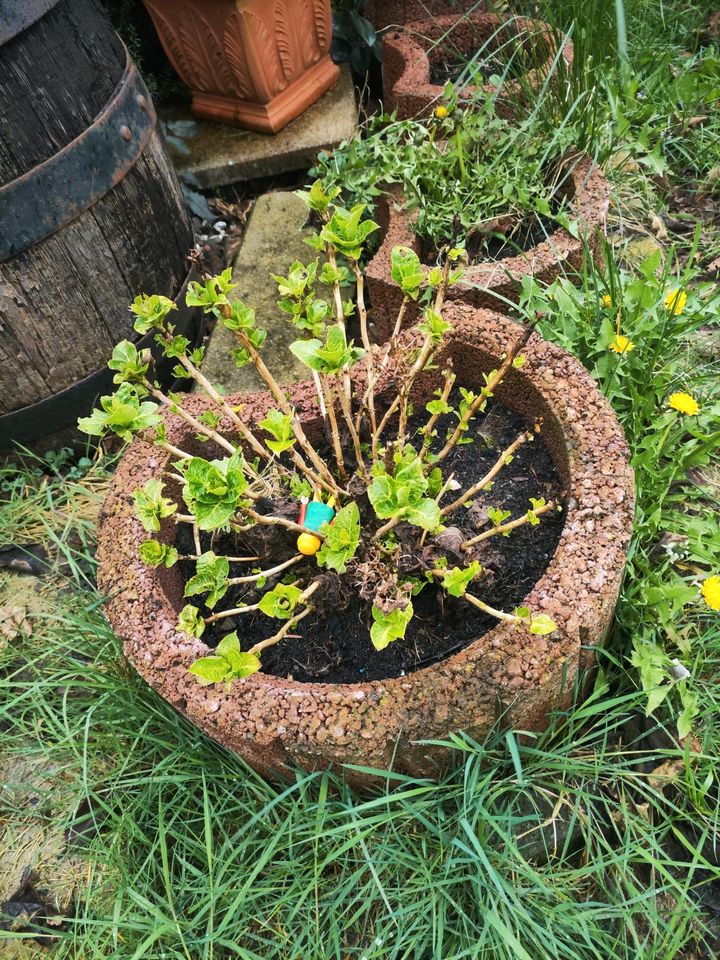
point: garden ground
(599, 838)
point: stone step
(273, 240)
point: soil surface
(525, 235)
(449, 67)
(333, 645)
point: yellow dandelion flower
(675, 301)
(710, 590)
(441, 112)
(621, 344)
(684, 403)
(606, 300)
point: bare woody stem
(352, 428)
(430, 425)
(490, 475)
(270, 521)
(497, 377)
(339, 313)
(286, 408)
(271, 571)
(193, 421)
(235, 612)
(231, 414)
(365, 337)
(326, 396)
(510, 525)
(485, 607)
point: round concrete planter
(385, 13)
(506, 673)
(492, 283)
(408, 56)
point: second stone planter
(255, 63)
(410, 55)
(494, 282)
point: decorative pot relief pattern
(250, 53)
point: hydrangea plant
(376, 500)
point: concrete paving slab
(273, 240)
(215, 154)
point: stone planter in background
(408, 55)
(255, 63)
(493, 282)
(506, 674)
(385, 13)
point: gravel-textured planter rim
(407, 87)
(272, 721)
(491, 283)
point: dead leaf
(658, 227)
(13, 621)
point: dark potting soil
(332, 645)
(481, 248)
(449, 67)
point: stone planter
(385, 13)
(256, 63)
(409, 54)
(492, 283)
(508, 673)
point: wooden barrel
(91, 214)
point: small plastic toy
(313, 515)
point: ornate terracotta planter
(256, 63)
(274, 722)
(409, 54)
(492, 283)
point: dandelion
(675, 301)
(684, 403)
(710, 590)
(441, 112)
(606, 300)
(621, 344)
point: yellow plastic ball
(307, 544)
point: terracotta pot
(273, 722)
(256, 63)
(492, 283)
(409, 54)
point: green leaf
(402, 495)
(407, 271)
(690, 709)
(190, 621)
(210, 669)
(457, 579)
(211, 577)
(150, 312)
(280, 426)
(317, 198)
(497, 516)
(425, 514)
(123, 413)
(342, 538)
(387, 627)
(241, 317)
(154, 554)
(214, 489)
(151, 506)
(128, 363)
(434, 326)
(280, 602)
(332, 356)
(541, 624)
